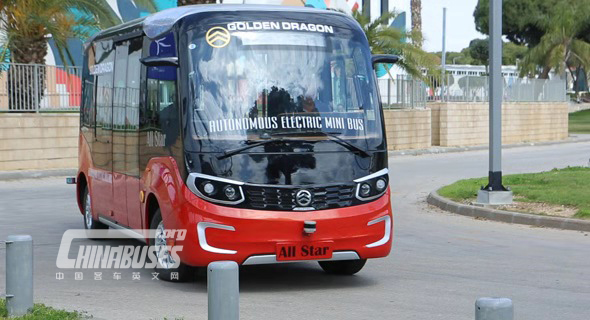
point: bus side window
(152, 104)
(161, 100)
(162, 109)
(88, 107)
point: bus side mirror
(159, 61)
(384, 58)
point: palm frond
(32, 22)
(386, 40)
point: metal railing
(403, 92)
(406, 92)
(39, 88)
(42, 88)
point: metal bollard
(19, 274)
(223, 289)
(494, 309)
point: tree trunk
(26, 78)
(545, 73)
(189, 2)
(416, 8)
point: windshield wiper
(235, 151)
(333, 137)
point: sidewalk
(34, 174)
(573, 138)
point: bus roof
(161, 22)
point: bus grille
(272, 198)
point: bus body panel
(150, 171)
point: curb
(507, 216)
(442, 150)
(33, 174)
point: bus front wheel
(343, 267)
(165, 265)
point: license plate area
(316, 250)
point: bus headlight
(381, 184)
(372, 186)
(209, 188)
(365, 189)
(215, 189)
(230, 192)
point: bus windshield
(249, 86)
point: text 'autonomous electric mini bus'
(257, 129)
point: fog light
(209, 188)
(381, 184)
(230, 193)
(365, 189)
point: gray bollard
(494, 309)
(223, 289)
(19, 274)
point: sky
(460, 24)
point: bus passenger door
(101, 173)
(126, 184)
(132, 102)
(120, 130)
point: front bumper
(250, 236)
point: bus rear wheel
(164, 260)
(343, 267)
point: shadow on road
(296, 276)
(280, 278)
(260, 278)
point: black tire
(344, 267)
(184, 272)
(88, 219)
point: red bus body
(128, 197)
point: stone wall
(408, 128)
(31, 141)
(466, 124)
(50, 140)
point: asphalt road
(439, 265)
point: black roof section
(161, 22)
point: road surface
(439, 265)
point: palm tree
(190, 2)
(27, 26)
(562, 45)
(386, 40)
(416, 8)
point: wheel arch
(151, 206)
(81, 184)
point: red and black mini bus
(257, 129)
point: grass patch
(41, 312)
(579, 122)
(569, 187)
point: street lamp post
(444, 55)
(495, 193)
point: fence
(42, 88)
(406, 92)
(39, 88)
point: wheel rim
(88, 212)
(162, 253)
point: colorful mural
(128, 11)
